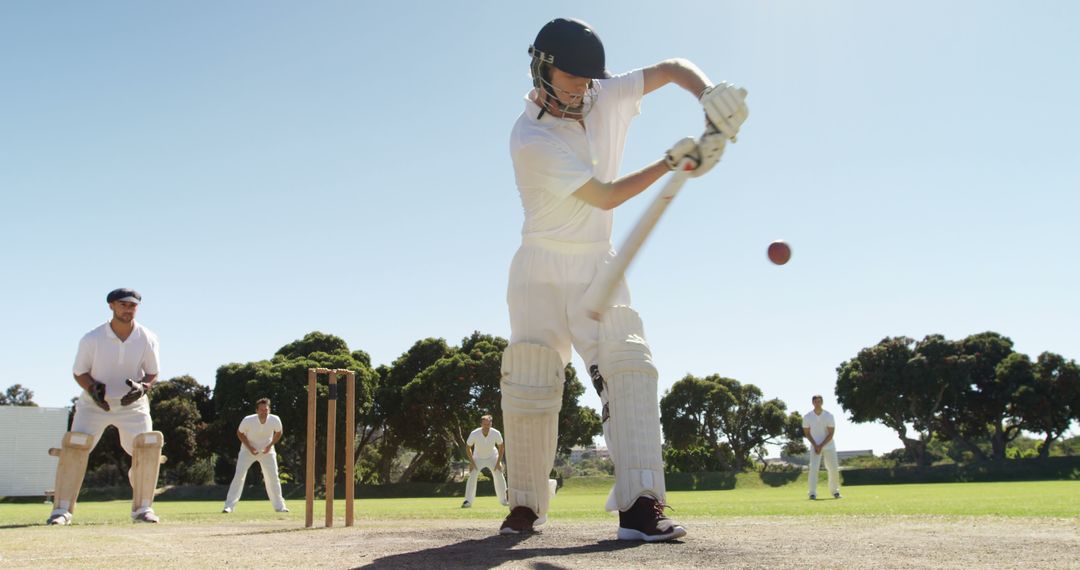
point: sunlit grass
(584, 500)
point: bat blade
(598, 297)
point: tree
(578, 425)
(446, 400)
(877, 385)
(389, 415)
(177, 407)
(689, 413)
(1050, 402)
(16, 395)
(982, 408)
(713, 412)
(752, 422)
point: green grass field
(583, 499)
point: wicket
(350, 443)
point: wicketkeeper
(116, 365)
(566, 148)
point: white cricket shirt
(111, 361)
(554, 157)
(818, 424)
(260, 434)
(484, 446)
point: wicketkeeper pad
(632, 409)
(70, 470)
(145, 462)
(532, 386)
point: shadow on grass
(491, 552)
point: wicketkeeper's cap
(124, 294)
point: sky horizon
(261, 170)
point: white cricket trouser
(268, 463)
(130, 420)
(832, 465)
(500, 480)
(547, 281)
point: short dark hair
(487, 417)
(262, 401)
(817, 397)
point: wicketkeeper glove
(97, 394)
(136, 392)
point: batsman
(566, 148)
(116, 365)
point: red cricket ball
(779, 252)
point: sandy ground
(753, 542)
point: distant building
(582, 452)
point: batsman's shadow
(491, 552)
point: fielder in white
(116, 365)
(819, 426)
(485, 450)
(258, 433)
(566, 148)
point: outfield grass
(583, 499)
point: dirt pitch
(750, 542)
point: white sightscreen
(26, 434)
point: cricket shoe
(521, 520)
(466, 505)
(146, 516)
(59, 518)
(283, 510)
(227, 510)
(836, 495)
(646, 521)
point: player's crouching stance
(566, 149)
(108, 358)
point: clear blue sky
(259, 170)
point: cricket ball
(779, 252)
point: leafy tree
(578, 425)
(689, 413)
(983, 408)
(795, 443)
(713, 411)
(390, 417)
(16, 395)
(1050, 402)
(177, 407)
(904, 385)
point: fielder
(258, 433)
(116, 365)
(485, 450)
(819, 426)
(566, 148)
